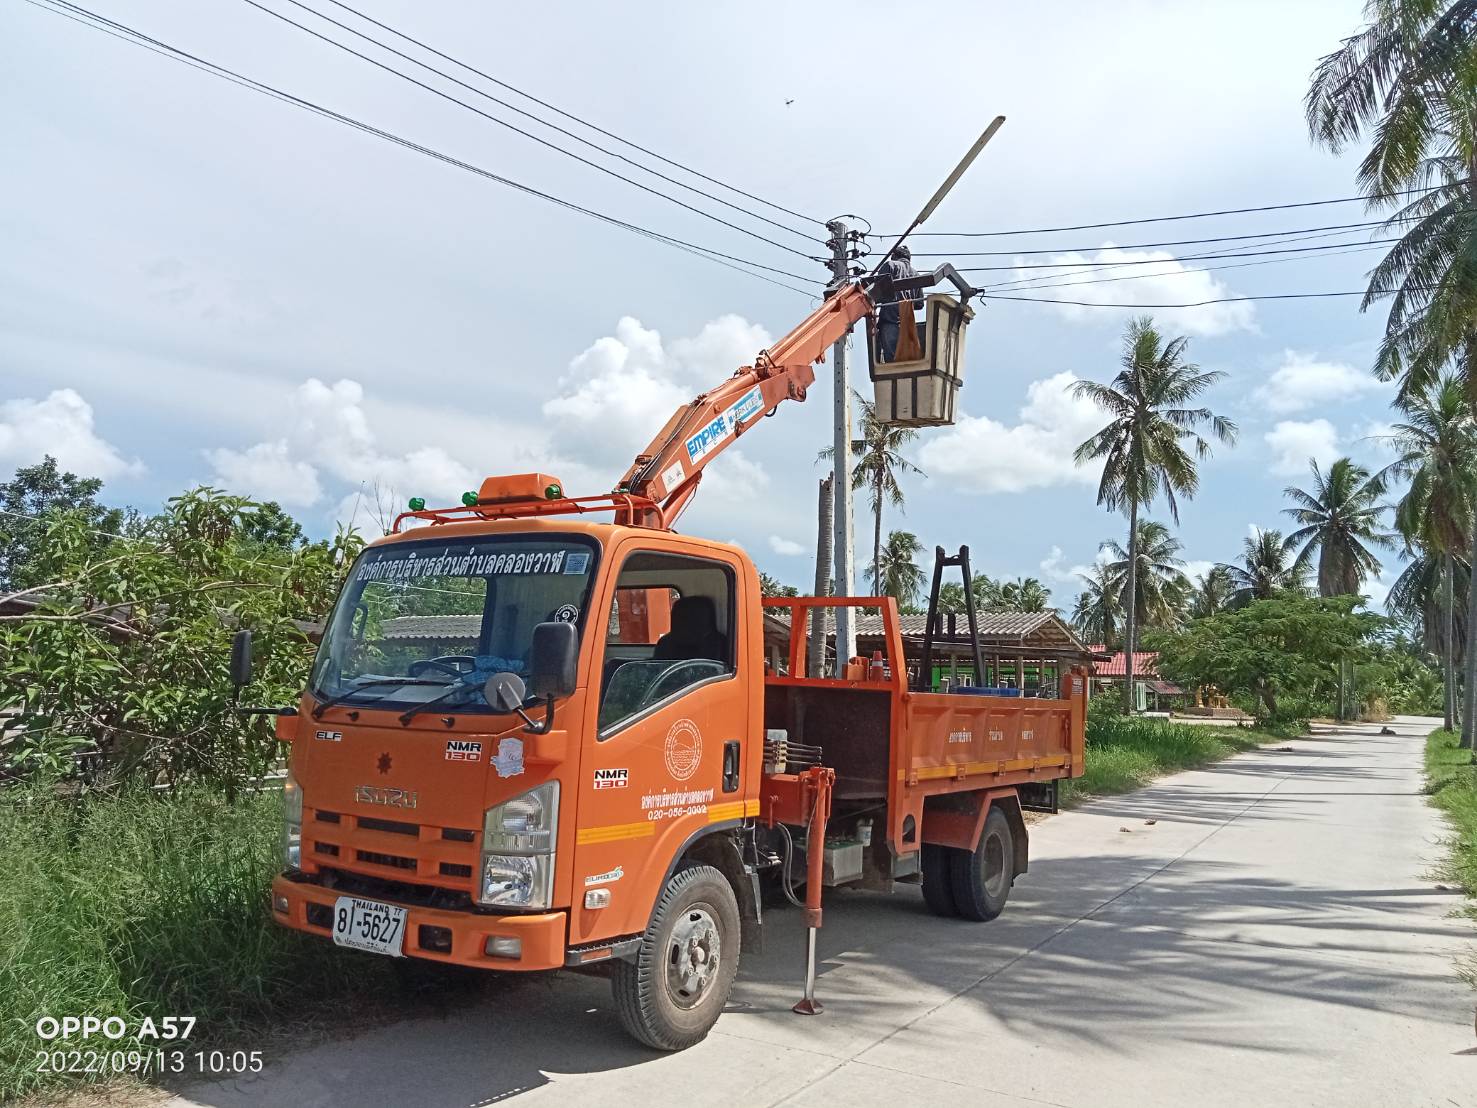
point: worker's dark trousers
(887, 332)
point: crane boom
(667, 472)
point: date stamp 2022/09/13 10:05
(144, 1048)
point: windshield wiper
(324, 705)
(410, 713)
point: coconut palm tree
(1212, 593)
(877, 462)
(1024, 594)
(896, 572)
(1436, 449)
(1143, 447)
(1267, 568)
(1162, 587)
(1419, 597)
(1098, 613)
(1408, 79)
(1339, 520)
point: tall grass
(1127, 752)
(152, 905)
(1451, 777)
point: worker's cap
(901, 251)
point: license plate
(369, 925)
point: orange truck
(535, 737)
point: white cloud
(980, 454)
(1294, 442)
(329, 434)
(1171, 282)
(266, 471)
(786, 547)
(1053, 569)
(623, 387)
(1302, 381)
(1196, 569)
(60, 425)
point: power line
(1276, 235)
(137, 38)
(1018, 285)
(1192, 304)
(527, 134)
(1026, 282)
(552, 126)
(577, 119)
(1162, 261)
(1171, 218)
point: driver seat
(694, 632)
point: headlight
(518, 839)
(292, 822)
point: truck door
(666, 763)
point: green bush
(153, 904)
(1126, 752)
(1452, 782)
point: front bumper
(542, 935)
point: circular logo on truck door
(684, 749)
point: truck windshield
(448, 613)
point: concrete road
(1263, 931)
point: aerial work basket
(921, 392)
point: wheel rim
(994, 866)
(694, 953)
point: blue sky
(203, 285)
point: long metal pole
(841, 461)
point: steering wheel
(666, 681)
(455, 664)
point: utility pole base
(810, 1006)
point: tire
(670, 995)
(938, 880)
(982, 879)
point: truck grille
(391, 858)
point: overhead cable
(527, 134)
(138, 38)
(574, 118)
(545, 123)
(1175, 218)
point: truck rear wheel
(673, 991)
(982, 879)
(938, 879)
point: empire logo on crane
(705, 441)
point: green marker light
(417, 503)
(469, 499)
(553, 492)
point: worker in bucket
(898, 267)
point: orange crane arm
(667, 472)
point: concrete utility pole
(824, 540)
(841, 460)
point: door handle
(731, 766)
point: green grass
(151, 905)
(1451, 777)
(1125, 753)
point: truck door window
(670, 628)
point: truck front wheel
(982, 878)
(670, 995)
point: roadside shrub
(1125, 752)
(153, 904)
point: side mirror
(241, 659)
(504, 691)
(554, 658)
